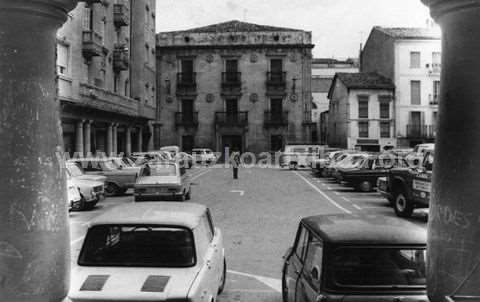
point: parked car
(73, 195)
(173, 150)
(118, 181)
(350, 161)
(356, 258)
(408, 188)
(125, 163)
(162, 180)
(295, 156)
(91, 192)
(319, 164)
(185, 159)
(364, 175)
(151, 252)
(76, 171)
(336, 159)
(204, 155)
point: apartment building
(411, 58)
(106, 76)
(323, 72)
(234, 84)
(361, 112)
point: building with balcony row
(411, 58)
(106, 76)
(234, 84)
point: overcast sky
(338, 26)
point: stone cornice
(56, 10)
(439, 8)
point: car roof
(184, 214)
(366, 229)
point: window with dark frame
(385, 129)
(363, 129)
(362, 106)
(384, 109)
(415, 93)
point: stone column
(454, 220)
(79, 138)
(140, 139)
(128, 140)
(114, 139)
(34, 228)
(151, 139)
(87, 141)
(109, 139)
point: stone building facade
(361, 114)
(234, 84)
(106, 76)
(411, 58)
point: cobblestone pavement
(258, 214)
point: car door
(294, 264)
(217, 245)
(212, 265)
(309, 283)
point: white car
(204, 155)
(159, 251)
(162, 180)
(73, 195)
(295, 156)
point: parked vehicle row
(403, 176)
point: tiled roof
(235, 26)
(410, 32)
(365, 80)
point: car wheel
(223, 279)
(111, 189)
(183, 197)
(189, 194)
(403, 207)
(81, 205)
(365, 186)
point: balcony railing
(121, 59)
(231, 80)
(186, 82)
(238, 119)
(92, 44)
(121, 14)
(434, 99)
(276, 119)
(186, 119)
(421, 131)
(101, 99)
(276, 80)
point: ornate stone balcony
(121, 14)
(92, 44)
(101, 99)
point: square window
(415, 93)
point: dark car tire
(365, 186)
(90, 206)
(224, 277)
(81, 205)
(111, 189)
(402, 206)
(188, 196)
(182, 197)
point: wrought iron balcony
(186, 119)
(92, 44)
(421, 131)
(434, 99)
(121, 14)
(276, 80)
(231, 80)
(232, 119)
(275, 119)
(186, 82)
(121, 58)
(434, 69)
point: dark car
(356, 258)
(363, 176)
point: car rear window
(159, 170)
(378, 268)
(138, 246)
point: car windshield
(117, 162)
(108, 165)
(378, 267)
(138, 246)
(74, 170)
(160, 170)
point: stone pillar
(128, 140)
(34, 228)
(151, 139)
(79, 138)
(109, 139)
(454, 219)
(87, 141)
(140, 139)
(156, 135)
(114, 139)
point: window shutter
(87, 15)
